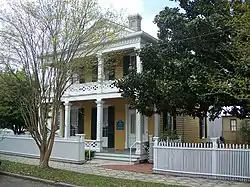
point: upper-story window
(109, 69)
(95, 71)
(81, 75)
(233, 125)
(129, 63)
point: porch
(110, 127)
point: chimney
(135, 22)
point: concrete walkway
(95, 167)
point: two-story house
(93, 106)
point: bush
(92, 154)
(169, 135)
(245, 130)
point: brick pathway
(139, 168)
(97, 167)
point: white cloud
(130, 6)
(133, 7)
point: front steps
(117, 157)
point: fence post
(81, 140)
(214, 149)
(156, 143)
(151, 150)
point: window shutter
(93, 123)
(165, 120)
(200, 127)
(126, 60)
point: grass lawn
(70, 177)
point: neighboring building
(231, 129)
(227, 126)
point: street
(7, 181)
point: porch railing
(92, 88)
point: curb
(35, 179)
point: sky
(148, 9)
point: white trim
(92, 97)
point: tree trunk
(46, 150)
(44, 161)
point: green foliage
(169, 135)
(10, 112)
(245, 130)
(92, 154)
(197, 65)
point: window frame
(233, 127)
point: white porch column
(138, 64)
(99, 123)
(156, 124)
(139, 117)
(61, 122)
(139, 133)
(100, 67)
(67, 119)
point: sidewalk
(97, 167)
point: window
(73, 121)
(132, 63)
(95, 70)
(233, 125)
(203, 127)
(74, 79)
(109, 69)
(132, 123)
(105, 122)
(81, 75)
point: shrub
(92, 154)
(245, 131)
(169, 135)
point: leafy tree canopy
(195, 66)
(10, 113)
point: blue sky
(152, 8)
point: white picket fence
(210, 160)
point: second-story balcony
(101, 77)
(89, 88)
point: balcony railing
(92, 88)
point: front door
(80, 121)
(108, 133)
(111, 127)
(132, 127)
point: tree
(45, 38)
(10, 113)
(196, 54)
(245, 131)
(236, 85)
